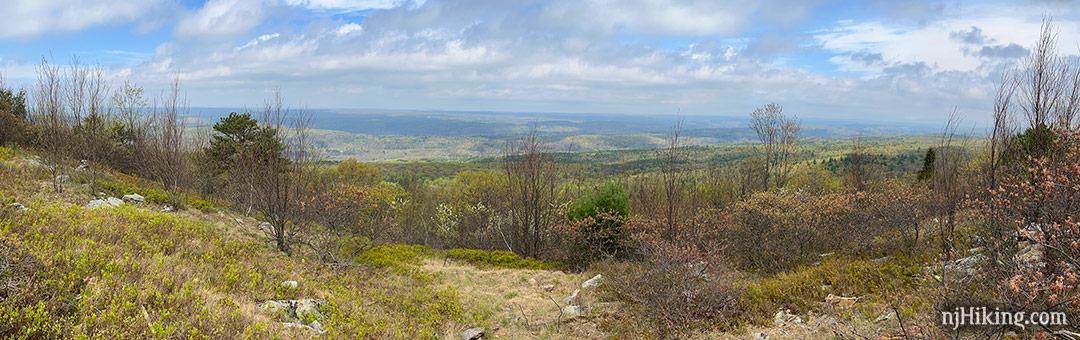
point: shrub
(595, 226)
(396, 256)
(497, 259)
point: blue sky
(905, 61)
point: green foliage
(15, 102)
(928, 165)
(805, 288)
(497, 259)
(355, 173)
(610, 197)
(240, 136)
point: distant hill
(376, 135)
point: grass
(133, 273)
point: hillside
(139, 271)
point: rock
(593, 282)
(300, 326)
(761, 336)
(83, 165)
(572, 299)
(1031, 255)
(826, 320)
(108, 202)
(308, 309)
(266, 226)
(547, 288)
(167, 208)
(134, 198)
(293, 310)
(62, 179)
(17, 206)
(533, 282)
(783, 317)
(473, 333)
(840, 301)
(883, 317)
(570, 312)
(290, 284)
(965, 267)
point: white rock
(108, 202)
(572, 299)
(134, 198)
(290, 284)
(593, 282)
(570, 312)
(473, 333)
(761, 336)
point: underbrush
(883, 280)
(130, 273)
(120, 187)
(497, 259)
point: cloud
(974, 36)
(1010, 51)
(222, 20)
(22, 19)
(345, 5)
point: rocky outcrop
(593, 282)
(107, 202)
(134, 198)
(473, 334)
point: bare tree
(779, 136)
(672, 163)
(52, 118)
(274, 168)
(166, 158)
(998, 142)
(947, 183)
(859, 166)
(532, 195)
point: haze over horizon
(832, 60)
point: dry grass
(503, 295)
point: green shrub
(596, 225)
(804, 289)
(497, 259)
(396, 256)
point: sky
(872, 60)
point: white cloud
(222, 19)
(35, 17)
(345, 5)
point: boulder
(761, 336)
(572, 299)
(134, 198)
(265, 226)
(108, 202)
(547, 288)
(593, 282)
(293, 310)
(62, 178)
(17, 206)
(965, 267)
(290, 284)
(783, 316)
(83, 165)
(299, 326)
(570, 312)
(473, 333)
